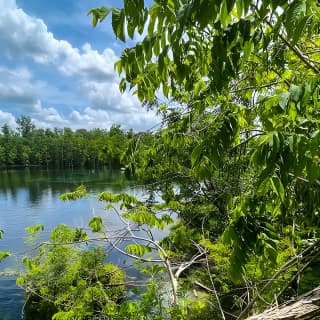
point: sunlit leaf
(4, 255)
(35, 228)
(96, 224)
(138, 249)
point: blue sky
(57, 69)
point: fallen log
(306, 307)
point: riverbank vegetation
(68, 282)
(61, 148)
(236, 161)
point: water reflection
(31, 196)
(37, 182)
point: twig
(297, 51)
(287, 266)
(267, 85)
(214, 288)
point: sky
(57, 69)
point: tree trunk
(306, 307)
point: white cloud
(25, 37)
(106, 96)
(48, 116)
(7, 118)
(91, 118)
(90, 64)
(16, 86)
(22, 35)
(96, 118)
(140, 120)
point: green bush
(67, 282)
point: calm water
(28, 197)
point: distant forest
(61, 148)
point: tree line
(61, 148)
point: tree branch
(285, 267)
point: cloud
(24, 38)
(22, 35)
(16, 86)
(49, 116)
(97, 118)
(7, 118)
(90, 64)
(91, 118)
(140, 120)
(107, 96)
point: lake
(31, 196)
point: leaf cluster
(65, 282)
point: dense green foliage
(61, 148)
(237, 159)
(64, 282)
(238, 156)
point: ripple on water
(29, 197)
(11, 299)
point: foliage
(237, 157)
(35, 228)
(65, 282)
(61, 148)
(80, 192)
(4, 254)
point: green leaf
(138, 249)
(80, 234)
(130, 29)
(278, 187)
(79, 193)
(247, 4)
(230, 5)
(296, 12)
(4, 254)
(143, 216)
(151, 24)
(20, 281)
(300, 27)
(239, 5)
(126, 199)
(263, 187)
(196, 155)
(247, 50)
(123, 85)
(183, 17)
(245, 29)
(283, 100)
(36, 228)
(131, 8)
(1, 234)
(99, 14)
(28, 263)
(118, 23)
(313, 170)
(96, 224)
(296, 92)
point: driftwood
(306, 307)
